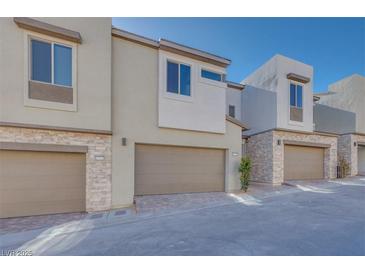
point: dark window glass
(184, 80)
(292, 95)
(41, 61)
(172, 77)
(232, 111)
(62, 65)
(211, 75)
(299, 96)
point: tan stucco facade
(135, 117)
(92, 76)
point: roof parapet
(173, 47)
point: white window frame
(296, 97)
(163, 59)
(204, 80)
(291, 122)
(178, 77)
(52, 43)
(209, 70)
(28, 36)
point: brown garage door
(168, 169)
(302, 162)
(361, 159)
(35, 183)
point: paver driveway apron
(319, 218)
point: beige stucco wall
(234, 98)
(98, 172)
(135, 117)
(93, 76)
(348, 94)
(348, 151)
(268, 157)
(272, 76)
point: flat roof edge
(164, 44)
(134, 37)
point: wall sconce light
(99, 157)
(279, 142)
(355, 144)
(124, 141)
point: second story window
(296, 96)
(51, 63)
(178, 78)
(231, 111)
(211, 75)
(296, 102)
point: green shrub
(344, 167)
(245, 170)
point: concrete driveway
(319, 218)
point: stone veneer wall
(98, 172)
(260, 150)
(348, 151)
(268, 157)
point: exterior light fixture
(279, 142)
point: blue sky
(335, 47)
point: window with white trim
(296, 95)
(296, 102)
(178, 78)
(211, 75)
(50, 62)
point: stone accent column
(260, 150)
(278, 158)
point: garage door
(361, 160)
(301, 162)
(167, 169)
(34, 183)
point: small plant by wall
(245, 170)
(343, 168)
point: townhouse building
(91, 116)
(277, 104)
(170, 129)
(341, 110)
